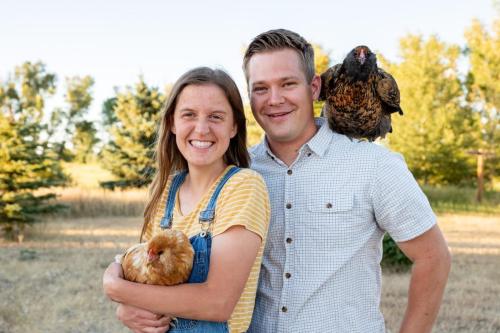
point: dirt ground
(52, 282)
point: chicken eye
(160, 253)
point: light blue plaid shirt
(329, 211)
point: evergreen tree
(84, 139)
(77, 130)
(435, 132)
(28, 162)
(131, 119)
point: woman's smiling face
(203, 125)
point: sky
(116, 42)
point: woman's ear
(172, 129)
(234, 131)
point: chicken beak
(362, 56)
(152, 256)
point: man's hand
(142, 321)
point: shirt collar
(318, 144)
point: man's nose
(276, 97)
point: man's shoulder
(257, 153)
(362, 149)
(256, 149)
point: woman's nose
(202, 126)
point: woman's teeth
(201, 144)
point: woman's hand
(142, 321)
(112, 276)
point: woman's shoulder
(246, 174)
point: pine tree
(131, 119)
(84, 139)
(28, 162)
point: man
(332, 200)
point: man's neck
(288, 151)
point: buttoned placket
(285, 310)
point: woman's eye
(289, 84)
(217, 117)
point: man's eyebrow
(285, 78)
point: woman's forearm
(176, 301)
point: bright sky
(116, 41)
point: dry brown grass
(472, 298)
(57, 288)
(96, 202)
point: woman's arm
(233, 254)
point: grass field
(52, 282)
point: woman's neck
(199, 180)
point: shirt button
(289, 172)
(284, 309)
(288, 240)
(288, 205)
(329, 205)
(288, 275)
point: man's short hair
(278, 39)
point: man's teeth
(201, 144)
(278, 114)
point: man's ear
(316, 86)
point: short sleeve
(400, 206)
(244, 201)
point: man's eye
(259, 89)
(289, 84)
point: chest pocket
(337, 203)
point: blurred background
(81, 88)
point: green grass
(452, 199)
(86, 198)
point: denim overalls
(202, 244)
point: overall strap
(166, 221)
(208, 214)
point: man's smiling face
(280, 96)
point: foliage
(28, 160)
(437, 129)
(84, 139)
(255, 133)
(321, 59)
(81, 132)
(393, 256)
(483, 88)
(131, 117)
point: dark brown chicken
(360, 97)
(166, 260)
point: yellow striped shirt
(243, 201)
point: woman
(202, 137)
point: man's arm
(431, 265)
